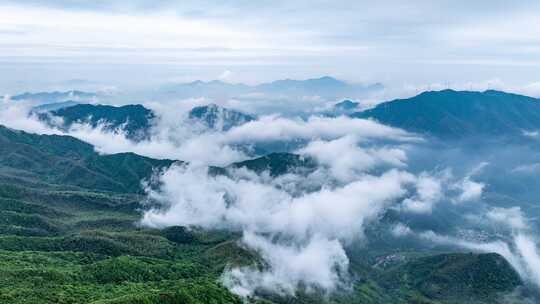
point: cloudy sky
(124, 43)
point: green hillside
(456, 278)
(69, 233)
(66, 161)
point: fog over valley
(311, 193)
(302, 152)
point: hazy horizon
(131, 44)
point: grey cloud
(356, 39)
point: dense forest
(70, 233)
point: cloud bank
(300, 232)
(300, 224)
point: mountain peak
(346, 105)
(216, 117)
(134, 119)
(458, 114)
(325, 79)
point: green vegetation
(69, 233)
(65, 161)
(456, 277)
(59, 247)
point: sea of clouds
(301, 223)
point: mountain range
(325, 87)
(136, 120)
(64, 160)
(56, 96)
(458, 114)
(67, 205)
(76, 212)
(446, 114)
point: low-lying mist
(459, 195)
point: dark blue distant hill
(346, 105)
(54, 106)
(459, 114)
(52, 97)
(326, 87)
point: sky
(150, 42)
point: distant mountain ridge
(325, 87)
(460, 114)
(344, 107)
(56, 96)
(48, 107)
(444, 114)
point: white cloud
(470, 190)
(429, 192)
(345, 158)
(528, 250)
(289, 266)
(512, 217)
(499, 247)
(300, 235)
(277, 128)
(217, 148)
(16, 115)
(174, 136)
(520, 249)
(532, 89)
(401, 230)
(259, 206)
(226, 75)
(527, 168)
(266, 41)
